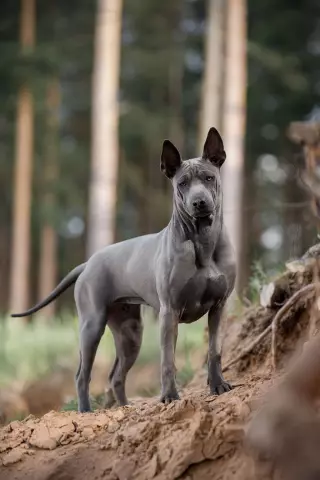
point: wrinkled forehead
(196, 167)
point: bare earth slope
(144, 441)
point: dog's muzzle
(201, 209)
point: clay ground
(187, 439)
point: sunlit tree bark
(48, 239)
(234, 121)
(212, 86)
(20, 251)
(105, 113)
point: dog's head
(196, 182)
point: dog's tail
(69, 280)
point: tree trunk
(48, 240)
(19, 278)
(105, 113)
(234, 120)
(212, 86)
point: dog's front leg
(216, 381)
(168, 338)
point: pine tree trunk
(212, 85)
(105, 113)
(234, 120)
(19, 278)
(48, 240)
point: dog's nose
(200, 204)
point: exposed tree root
(273, 328)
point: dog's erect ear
(213, 149)
(170, 159)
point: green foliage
(185, 375)
(256, 281)
(260, 277)
(31, 351)
(97, 403)
(70, 406)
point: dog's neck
(202, 232)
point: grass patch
(29, 351)
(97, 403)
(70, 406)
(185, 375)
(256, 281)
(150, 391)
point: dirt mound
(199, 436)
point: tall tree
(212, 84)
(48, 236)
(105, 114)
(234, 119)
(19, 278)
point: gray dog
(183, 272)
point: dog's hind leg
(126, 326)
(92, 320)
(109, 395)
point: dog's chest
(194, 289)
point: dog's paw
(220, 388)
(169, 397)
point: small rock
(243, 411)
(118, 415)
(64, 424)
(113, 427)
(117, 440)
(76, 438)
(85, 421)
(101, 420)
(104, 447)
(124, 468)
(29, 417)
(50, 414)
(30, 452)
(15, 425)
(88, 433)
(41, 438)
(31, 424)
(65, 439)
(12, 457)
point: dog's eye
(209, 179)
(183, 183)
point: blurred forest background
(89, 90)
